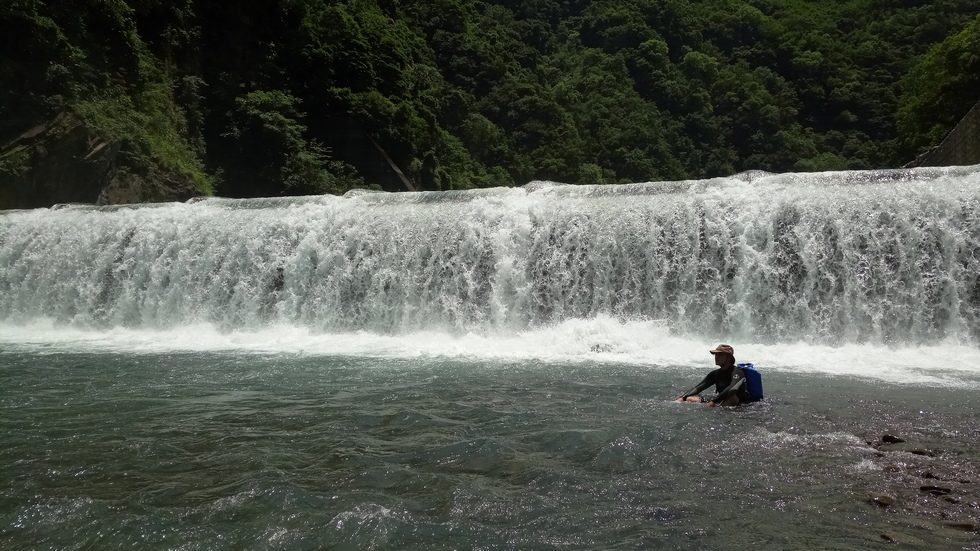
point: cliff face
(64, 161)
(960, 147)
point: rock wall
(65, 161)
(960, 147)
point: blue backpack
(753, 382)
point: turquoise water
(230, 450)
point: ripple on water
(452, 457)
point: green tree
(274, 152)
(939, 89)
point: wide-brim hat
(723, 349)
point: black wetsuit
(727, 382)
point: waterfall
(831, 258)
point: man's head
(724, 356)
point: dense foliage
(938, 87)
(264, 97)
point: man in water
(729, 381)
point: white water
(863, 273)
(602, 340)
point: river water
(224, 450)
(496, 370)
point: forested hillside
(270, 97)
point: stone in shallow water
(889, 439)
(921, 451)
(935, 490)
(908, 448)
(882, 499)
(965, 526)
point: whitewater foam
(833, 271)
(645, 344)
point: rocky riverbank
(64, 160)
(934, 482)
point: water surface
(223, 450)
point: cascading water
(879, 257)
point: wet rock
(921, 451)
(907, 448)
(947, 477)
(883, 500)
(965, 526)
(936, 490)
(948, 488)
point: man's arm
(707, 382)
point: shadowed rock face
(960, 147)
(64, 161)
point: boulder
(882, 499)
(63, 160)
